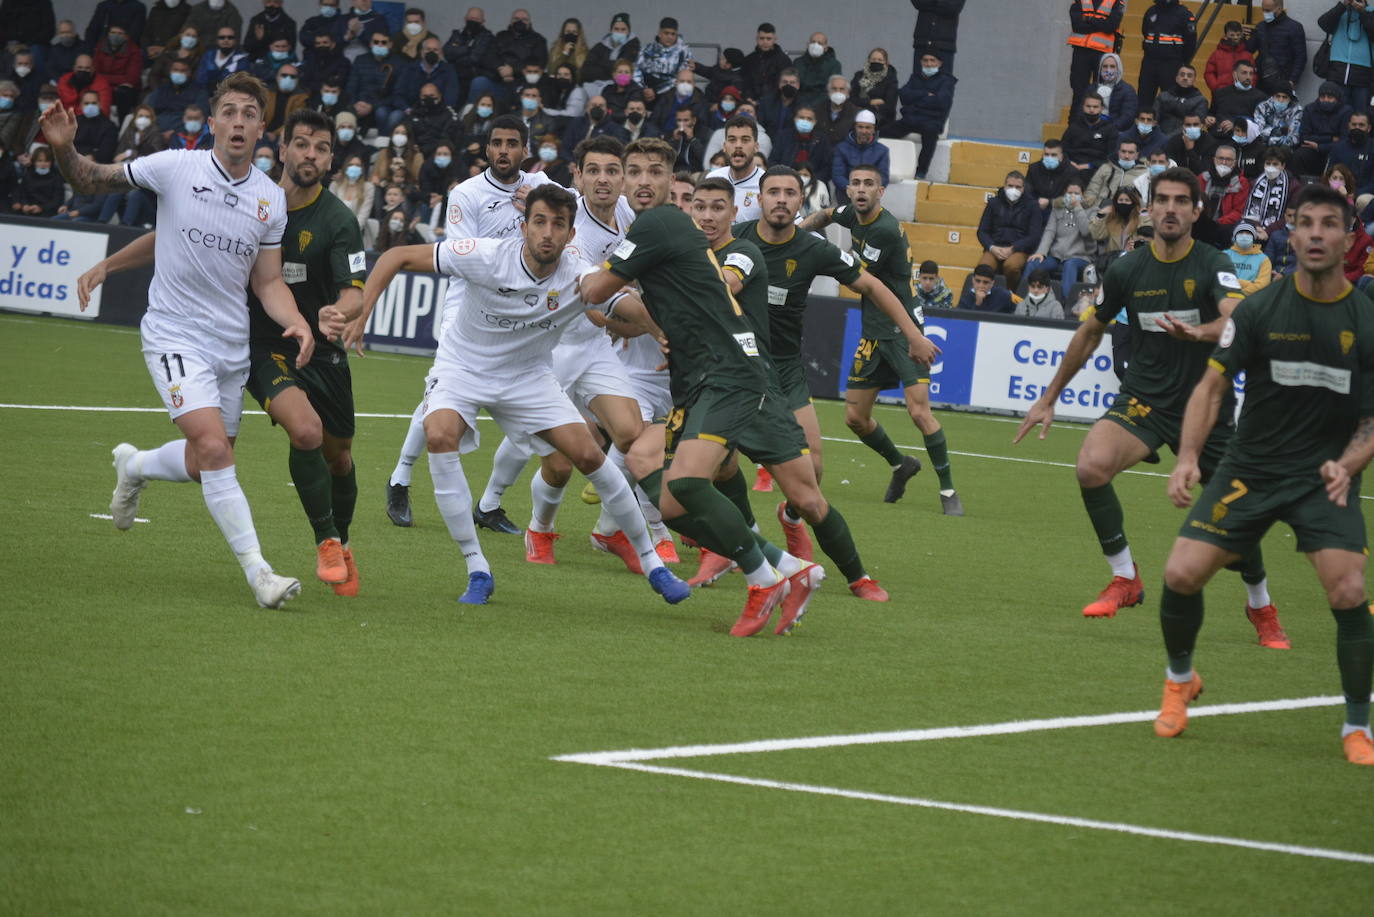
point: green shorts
(796, 394)
(1234, 515)
(329, 386)
(884, 364)
(1156, 428)
(760, 426)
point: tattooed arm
(1356, 456)
(83, 173)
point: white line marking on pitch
(632, 759)
(111, 518)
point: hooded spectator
(1010, 229)
(1248, 261)
(1118, 95)
(1323, 122)
(618, 44)
(1280, 46)
(1179, 100)
(1094, 25)
(875, 88)
(1230, 51)
(861, 147)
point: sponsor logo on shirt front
(293, 272)
(777, 296)
(748, 344)
(1149, 320)
(1314, 375)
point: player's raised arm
(138, 253)
(83, 173)
(417, 258)
(278, 302)
(921, 348)
(1081, 346)
(818, 220)
(1199, 417)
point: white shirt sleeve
(470, 259)
(276, 223)
(461, 219)
(155, 173)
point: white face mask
(399, 140)
(837, 98)
(216, 4)
(397, 225)
(531, 78)
(22, 72)
(1013, 194)
(685, 89)
(414, 28)
(1223, 171)
(1037, 298)
(815, 49)
(1272, 172)
(142, 122)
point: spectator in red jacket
(1230, 51)
(83, 77)
(1224, 194)
(120, 61)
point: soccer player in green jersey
(1306, 432)
(724, 397)
(795, 258)
(1177, 294)
(881, 360)
(324, 264)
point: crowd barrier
(989, 362)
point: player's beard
(779, 221)
(303, 183)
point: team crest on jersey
(1189, 286)
(551, 301)
(304, 240)
(791, 266)
(463, 246)
(263, 213)
(748, 198)
(175, 394)
(1347, 341)
(455, 213)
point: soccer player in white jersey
(221, 223)
(496, 353)
(487, 206)
(741, 144)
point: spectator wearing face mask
(429, 69)
(861, 147)
(837, 113)
(1231, 50)
(1179, 101)
(1278, 119)
(63, 51)
(472, 53)
(40, 191)
(1349, 26)
(209, 16)
(779, 107)
(1047, 177)
(1111, 176)
(568, 47)
(685, 96)
(82, 78)
(325, 22)
(689, 147)
(431, 122)
(278, 54)
(186, 47)
(1224, 195)
(550, 161)
(1239, 100)
(372, 84)
(926, 102)
(637, 121)
(1249, 148)
(401, 149)
(351, 186)
(1118, 95)
(1114, 225)
(1169, 37)
(1355, 151)
(1040, 301)
(983, 294)
(763, 64)
(267, 27)
(1010, 229)
(347, 142)
(1090, 138)
(619, 43)
(410, 41)
(440, 170)
(1248, 261)
(25, 75)
(325, 65)
(1159, 161)
(1323, 122)
(1144, 135)
(193, 133)
(661, 59)
(129, 16)
(478, 119)
(1270, 192)
(1066, 243)
(537, 121)
(284, 96)
(120, 61)
(1192, 147)
(1280, 46)
(359, 25)
(1281, 256)
(931, 290)
(12, 120)
(875, 88)
(225, 58)
(937, 29)
(516, 47)
(329, 100)
(564, 97)
(803, 144)
(724, 109)
(30, 24)
(593, 122)
(622, 90)
(815, 67)
(1094, 26)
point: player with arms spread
(1306, 432)
(1177, 294)
(881, 360)
(222, 223)
(324, 265)
(496, 354)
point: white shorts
(522, 406)
(586, 371)
(191, 373)
(651, 391)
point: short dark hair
(765, 27)
(1054, 143)
(555, 197)
(601, 143)
(1318, 194)
(1181, 176)
(738, 121)
(1040, 276)
(1015, 174)
(1277, 152)
(1092, 95)
(683, 176)
(510, 123)
(1232, 26)
(870, 167)
(985, 270)
(928, 267)
(311, 120)
(789, 71)
(782, 172)
(717, 184)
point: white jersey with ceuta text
(210, 230)
(746, 192)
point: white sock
(763, 576)
(506, 466)
(411, 449)
(788, 515)
(1121, 563)
(950, 493)
(545, 500)
(1348, 728)
(229, 508)
(659, 532)
(165, 463)
(1258, 593)
(789, 565)
(1180, 679)
(455, 505)
(624, 509)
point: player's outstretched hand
(1337, 482)
(1039, 413)
(304, 339)
(353, 336)
(1179, 329)
(332, 323)
(1181, 483)
(924, 351)
(87, 282)
(58, 126)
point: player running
(496, 354)
(1177, 295)
(324, 265)
(487, 206)
(880, 360)
(1306, 432)
(223, 222)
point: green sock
(344, 496)
(721, 527)
(310, 474)
(736, 490)
(1180, 618)
(771, 552)
(1250, 566)
(652, 485)
(1355, 658)
(1108, 519)
(882, 444)
(832, 533)
(939, 458)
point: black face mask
(634, 117)
(325, 53)
(596, 113)
(570, 37)
(80, 78)
(472, 27)
(519, 27)
(429, 102)
(875, 66)
(1123, 210)
(1358, 136)
(431, 57)
(788, 91)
